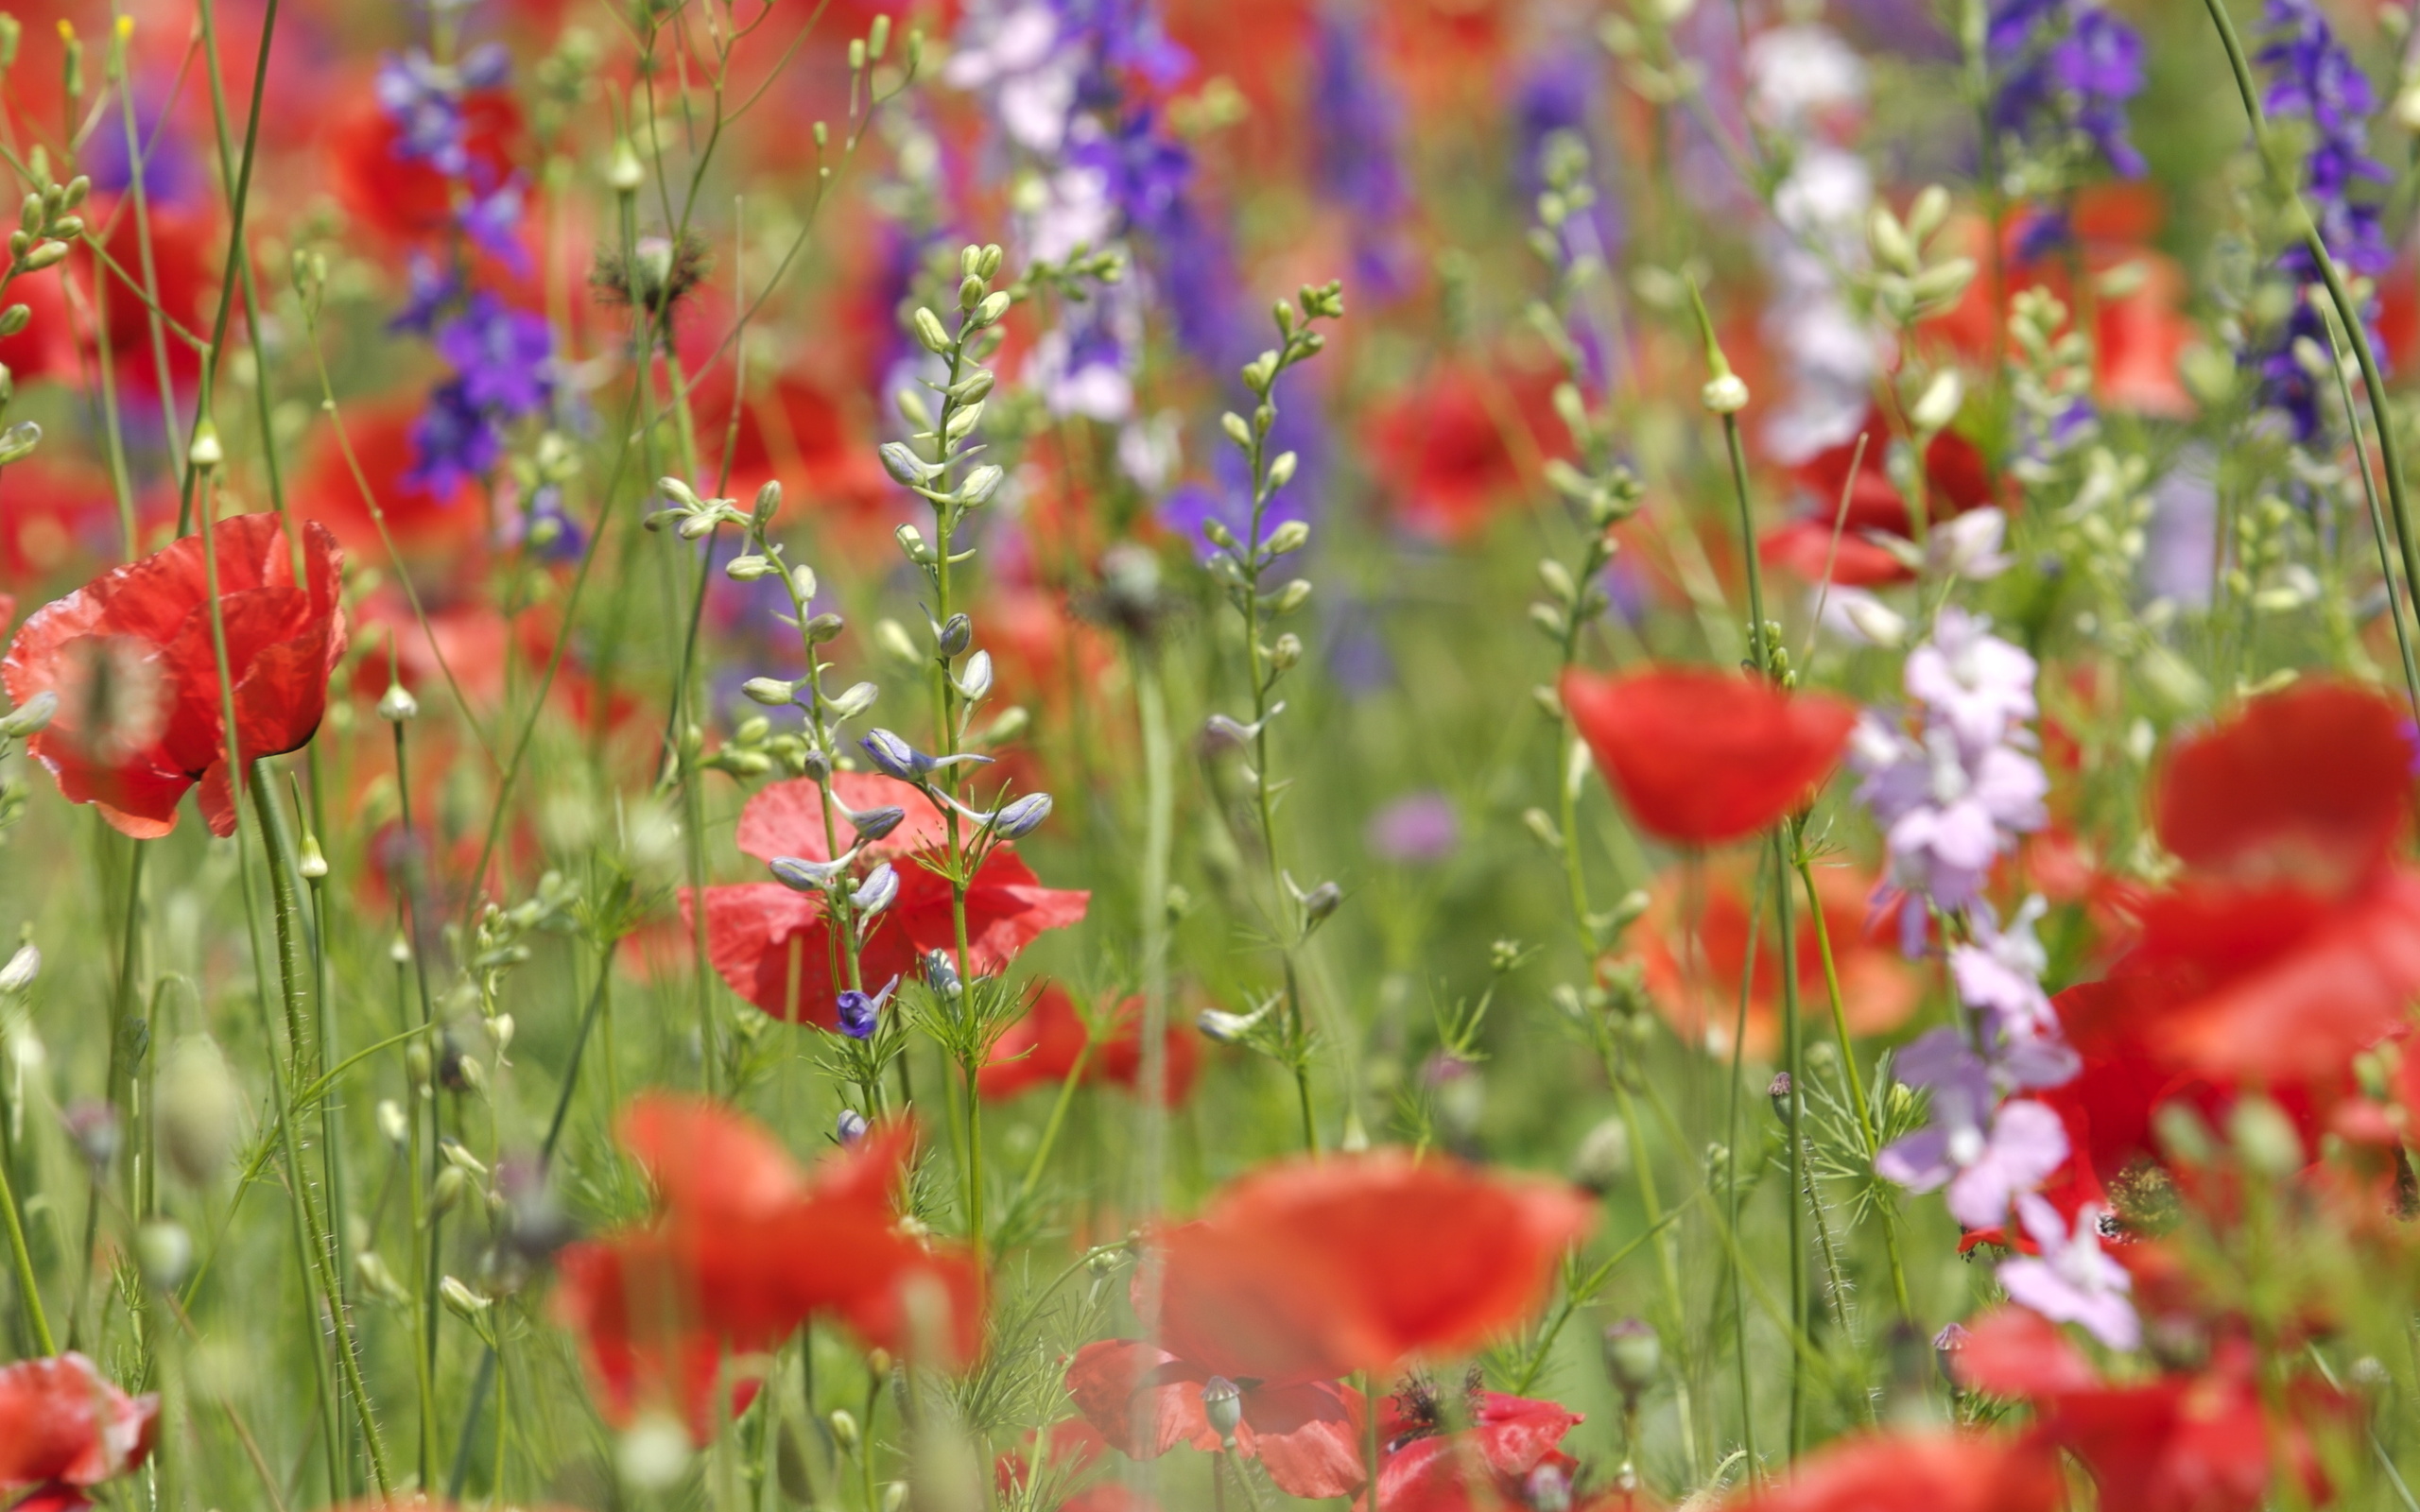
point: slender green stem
(28, 1289)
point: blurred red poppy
(746, 1249)
(1849, 513)
(1306, 1270)
(1917, 1472)
(186, 247)
(2186, 1441)
(449, 526)
(404, 198)
(131, 659)
(65, 1427)
(774, 946)
(1702, 757)
(1457, 444)
(2296, 937)
(1693, 956)
(1045, 1046)
(1075, 1446)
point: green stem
(29, 1290)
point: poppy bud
(163, 1251)
(1222, 1403)
(1022, 817)
(653, 1452)
(313, 862)
(31, 717)
(1778, 1091)
(398, 705)
(197, 1114)
(21, 971)
(1634, 1355)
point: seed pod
(199, 1116)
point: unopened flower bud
(1938, 404)
(30, 716)
(196, 1110)
(205, 452)
(447, 1190)
(851, 1127)
(392, 1123)
(22, 969)
(1291, 536)
(773, 692)
(1022, 817)
(312, 861)
(397, 705)
(1322, 901)
(954, 635)
(1725, 394)
(164, 1252)
(1286, 652)
(1634, 1355)
(928, 331)
(845, 1427)
(462, 1301)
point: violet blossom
(2071, 1280)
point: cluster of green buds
(47, 225)
(1639, 36)
(2050, 382)
(16, 727)
(500, 942)
(1911, 279)
(1600, 490)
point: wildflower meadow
(1193, 755)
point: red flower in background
(797, 430)
(1045, 1046)
(1850, 511)
(2197, 1441)
(1917, 1472)
(1304, 1271)
(448, 526)
(64, 1428)
(1458, 444)
(748, 1248)
(1703, 757)
(406, 199)
(775, 947)
(1693, 958)
(131, 660)
(2295, 938)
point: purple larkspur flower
(1419, 828)
(454, 441)
(2065, 70)
(1986, 1166)
(860, 1013)
(2071, 1280)
(504, 357)
(1355, 123)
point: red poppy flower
(776, 948)
(131, 659)
(1076, 1447)
(2195, 1441)
(448, 526)
(1304, 1271)
(1703, 757)
(2295, 936)
(746, 1248)
(1429, 1466)
(1693, 950)
(1849, 512)
(1043, 1048)
(65, 1427)
(186, 247)
(797, 430)
(1458, 444)
(1918, 1472)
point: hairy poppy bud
(1634, 1355)
(195, 1104)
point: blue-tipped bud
(1022, 817)
(894, 758)
(806, 876)
(1228, 1028)
(872, 824)
(861, 1012)
(905, 467)
(953, 635)
(877, 892)
(940, 973)
(852, 1127)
